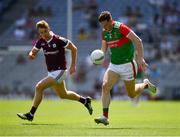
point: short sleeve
(63, 41)
(124, 29)
(37, 45)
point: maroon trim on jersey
(134, 70)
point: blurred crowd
(160, 35)
(5, 5)
(88, 28)
(25, 26)
(160, 32)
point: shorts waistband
(55, 70)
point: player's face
(107, 25)
(44, 33)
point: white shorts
(126, 71)
(58, 75)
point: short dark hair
(105, 15)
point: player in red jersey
(54, 51)
(122, 42)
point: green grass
(68, 118)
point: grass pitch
(69, 118)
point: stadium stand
(158, 28)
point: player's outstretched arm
(33, 53)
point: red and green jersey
(121, 48)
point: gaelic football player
(54, 51)
(122, 42)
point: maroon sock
(105, 112)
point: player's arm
(73, 49)
(127, 32)
(138, 43)
(139, 47)
(104, 46)
(33, 53)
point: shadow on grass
(42, 124)
(128, 128)
(103, 127)
(110, 128)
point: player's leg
(133, 89)
(40, 87)
(129, 76)
(109, 80)
(62, 92)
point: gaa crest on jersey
(115, 35)
(110, 35)
(54, 45)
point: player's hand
(142, 64)
(72, 70)
(31, 55)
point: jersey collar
(50, 39)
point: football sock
(105, 112)
(82, 100)
(33, 110)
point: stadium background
(156, 22)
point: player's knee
(64, 96)
(39, 87)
